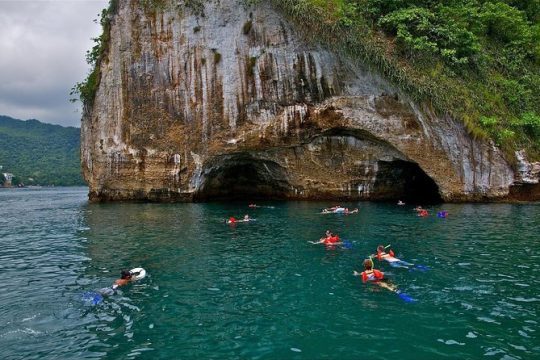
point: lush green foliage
(48, 154)
(86, 90)
(473, 59)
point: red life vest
(372, 275)
(331, 240)
(380, 254)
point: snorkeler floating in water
(333, 210)
(233, 220)
(126, 276)
(253, 206)
(420, 211)
(442, 214)
(377, 277)
(392, 260)
(373, 275)
(328, 239)
(338, 210)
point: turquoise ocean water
(259, 290)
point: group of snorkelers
(331, 240)
(370, 274)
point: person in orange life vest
(375, 276)
(392, 260)
(125, 278)
(231, 220)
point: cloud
(43, 47)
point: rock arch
(242, 176)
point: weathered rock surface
(229, 101)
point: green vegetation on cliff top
(476, 60)
(39, 154)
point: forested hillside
(39, 154)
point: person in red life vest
(328, 239)
(231, 220)
(373, 275)
(420, 211)
(390, 257)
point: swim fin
(422, 268)
(346, 244)
(92, 298)
(406, 297)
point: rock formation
(228, 101)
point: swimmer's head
(328, 233)
(380, 249)
(368, 264)
(246, 217)
(125, 274)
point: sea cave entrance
(404, 180)
(242, 177)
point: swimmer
(231, 220)
(246, 218)
(334, 210)
(125, 278)
(422, 213)
(400, 203)
(442, 214)
(392, 260)
(328, 239)
(375, 276)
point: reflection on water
(259, 290)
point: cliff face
(229, 101)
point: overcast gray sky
(43, 44)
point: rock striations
(226, 101)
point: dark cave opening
(404, 180)
(242, 177)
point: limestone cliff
(227, 100)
